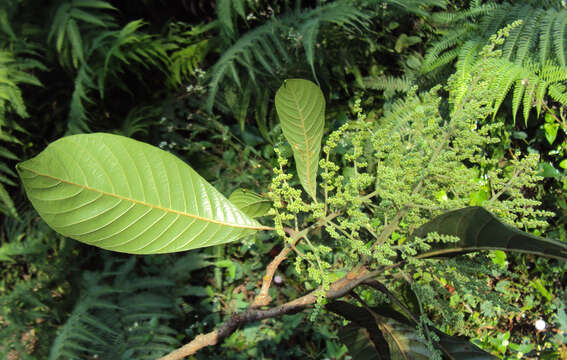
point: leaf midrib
(143, 203)
(304, 153)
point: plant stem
(336, 290)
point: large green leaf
(301, 108)
(360, 344)
(478, 229)
(250, 203)
(402, 338)
(123, 195)
(362, 336)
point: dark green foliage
(267, 51)
(404, 339)
(147, 69)
(478, 229)
(121, 314)
(16, 66)
(106, 50)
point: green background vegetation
(198, 79)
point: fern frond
(139, 120)
(131, 318)
(186, 60)
(517, 96)
(545, 43)
(560, 38)
(497, 19)
(529, 94)
(542, 34)
(21, 296)
(181, 269)
(82, 331)
(310, 21)
(389, 84)
(262, 37)
(447, 18)
(7, 203)
(187, 47)
(11, 76)
(417, 7)
(224, 14)
(227, 13)
(529, 35)
(15, 248)
(558, 92)
(77, 121)
(72, 22)
(444, 59)
(261, 51)
(128, 45)
(500, 86)
(540, 93)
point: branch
(263, 299)
(337, 289)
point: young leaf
(301, 108)
(250, 203)
(479, 230)
(123, 195)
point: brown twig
(263, 299)
(337, 289)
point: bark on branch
(337, 290)
(263, 299)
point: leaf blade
(250, 203)
(478, 229)
(384, 324)
(122, 195)
(300, 105)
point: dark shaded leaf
(404, 341)
(478, 230)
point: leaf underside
(250, 203)
(123, 195)
(478, 229)
(300, 105)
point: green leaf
(301, 108)
(123, 195)
(402, 338)
(478, 230)
(550, 132)
(548, 171)
(250, 203)
(360, 345)
(403, 42)
(362, 336)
